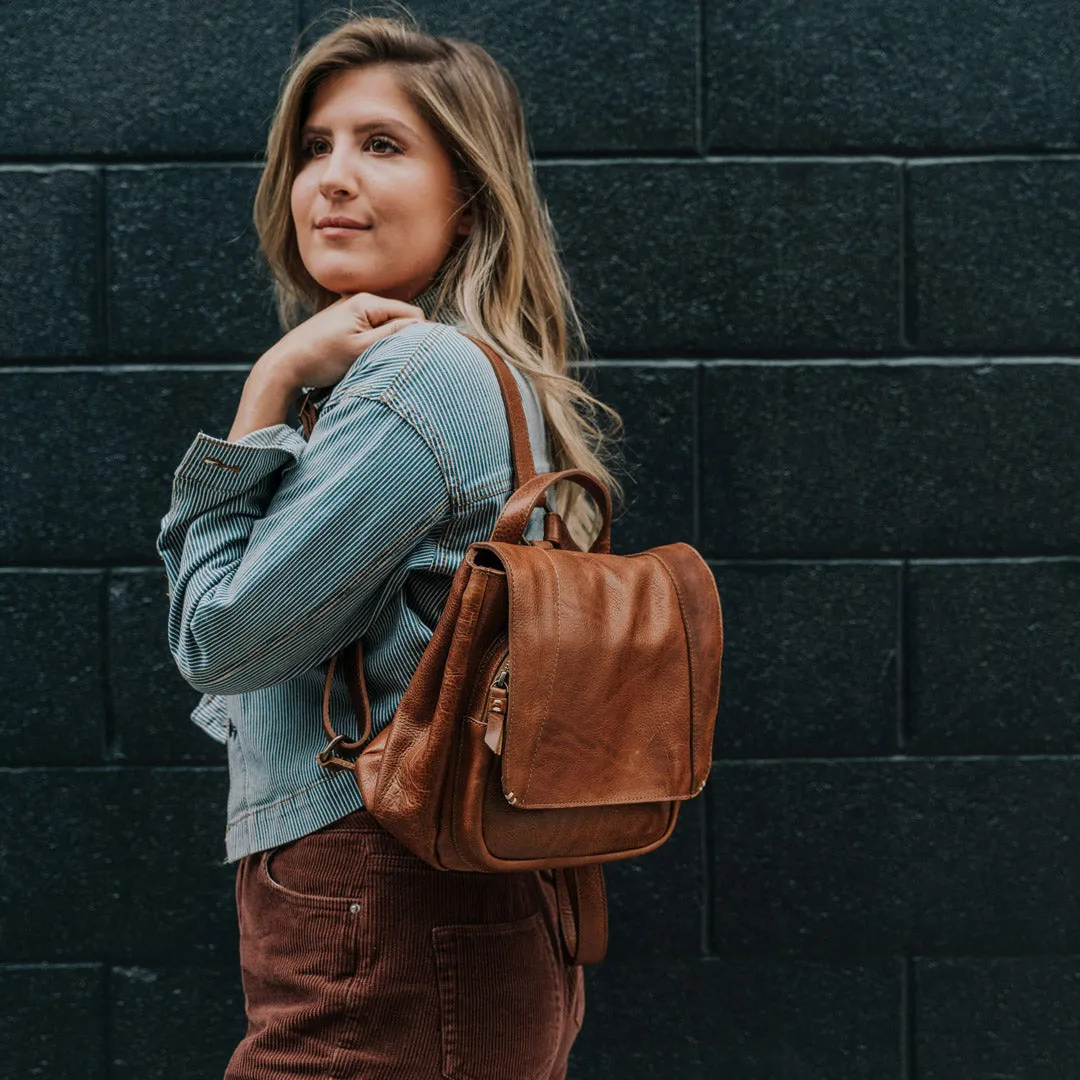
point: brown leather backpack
(562, 710)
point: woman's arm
(264, 402)
(278, 551)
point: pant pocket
(500, 1000)
(308, 910)
(318, 870)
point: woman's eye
(383, 139)
(308, 148)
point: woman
(398, 212)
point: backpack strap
(583, 913)
(524, 465)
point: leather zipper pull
(496, 715)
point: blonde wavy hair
(505, 278)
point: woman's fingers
(389, 327)
(378, 310)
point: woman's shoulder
(442, 384)
(420, 363)
(434, 370)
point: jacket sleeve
(279, 551)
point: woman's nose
(336, 175)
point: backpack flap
(614, 675)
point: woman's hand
(320, 350)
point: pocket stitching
(310, 900)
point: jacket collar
(426, 302)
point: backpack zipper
(496, 705)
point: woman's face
(366, 154)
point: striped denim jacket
(279, 552)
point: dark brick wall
(827, 253)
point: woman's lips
(342, 230)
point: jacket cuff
(212, 715)
(219, 463)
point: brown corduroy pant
(359, 960)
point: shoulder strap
(524, 465)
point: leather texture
(563, 709)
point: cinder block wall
(827, 253)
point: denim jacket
(280, 551)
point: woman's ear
(465, 221)
(466, 191)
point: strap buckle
(325, 755)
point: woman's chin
(343, 284)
